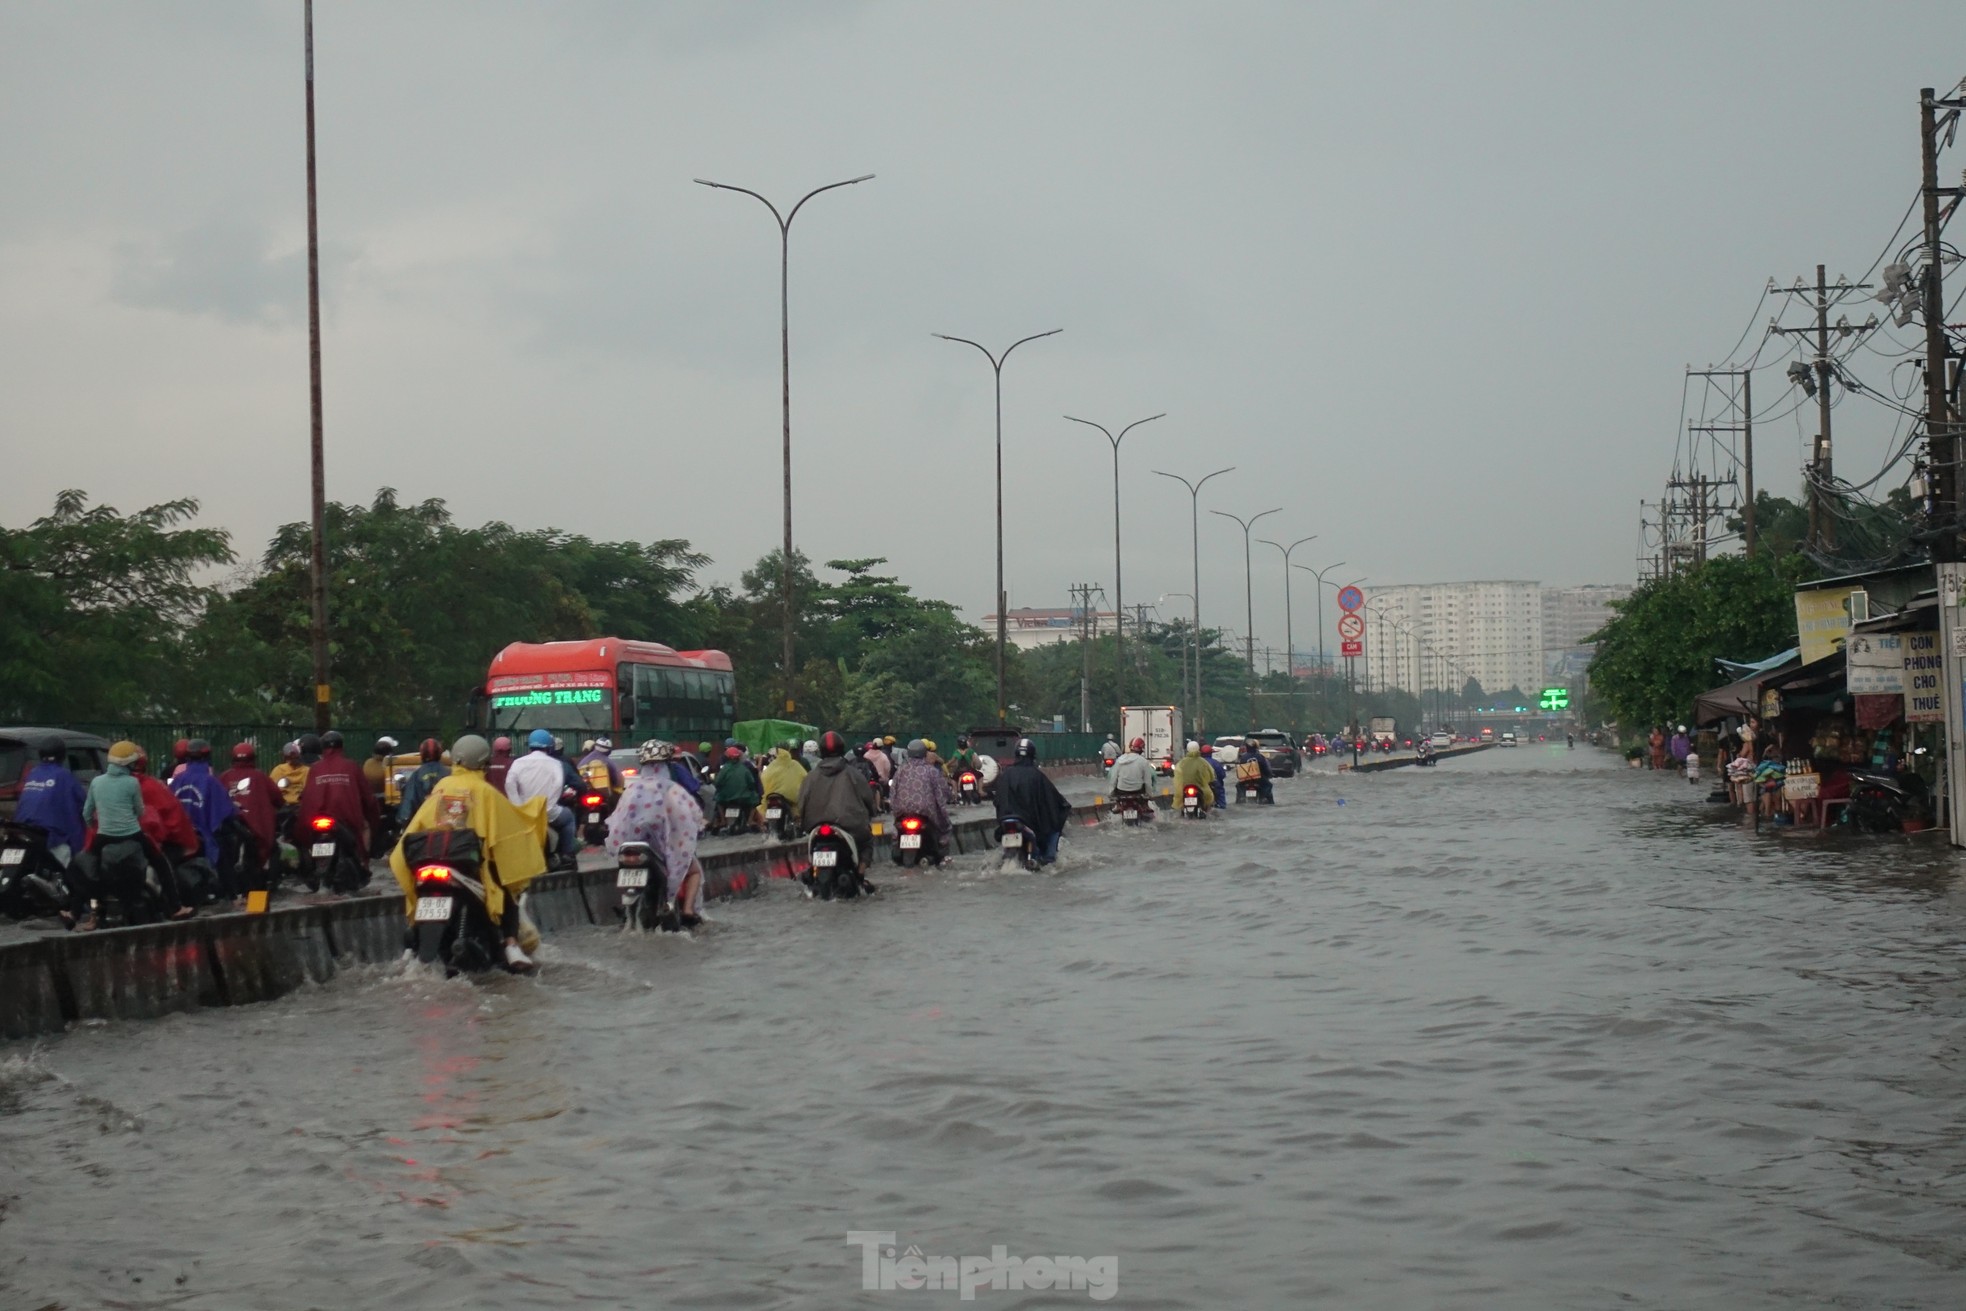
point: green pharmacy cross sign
(1555, 698)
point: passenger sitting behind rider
(1252, 766)
(1221, 772)
(1192, 771)
(921, 790)
(836, 793)
(655, 809)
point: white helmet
(812, 747)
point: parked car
(21, 747)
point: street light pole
(317, 553)
(1289, 633)
(785, 363)
(1119, 599)
(1249, 600)
(1324, 696)
(996, 367)
(1194, 513)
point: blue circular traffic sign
(1350, 598)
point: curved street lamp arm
(1021, 340)
(1288, 549)
(864, 177)
(783, 222)
(1100, 426)
(1135, 424)
(994, 362)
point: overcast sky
(1428, 275)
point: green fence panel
(157, 738)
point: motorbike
(31, 879)
(733, 818)
(644, 885)
(593, 809)
(913, 842)
(1191, 802)
(1017, 842)
(1882, 801)
(1424, 755)
(1133, 808)
(449, 923)
(778, 818)
(833, 865)
(331, 854)
(968, 791)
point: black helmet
(198, 749)
(310, 744)
(1026, 749)
(431, 749)
(331, 738)
(52, 749)
(831, 744)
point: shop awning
(1745, 669)
(1739, 699)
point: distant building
(1029, 628)
(1570, 616)
(1422, 636)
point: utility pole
(1942, 453)
(1745, 405)
(1082, 598)
(1822, 523)
(317, 564)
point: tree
(96, 603)
(1658, 654)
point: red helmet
(181, 749)
(244, 753)
(1208, 748)
(431, 749)
(1138, 744)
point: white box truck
(1161, 727)
(1384, 729)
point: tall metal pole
(1324, 696)
(1941, 436)
(1194, 523)
(317, 581)
(996, 367)
(1289, 633)
(1822, 522)
(1249, 602)
(1119, 599)
(785, 377)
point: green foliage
(1658, 654)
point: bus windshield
(580, 711)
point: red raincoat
(164, 820)
(257, 798)
(336, 788)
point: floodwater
(1523, 1030)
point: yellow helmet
(929, 742)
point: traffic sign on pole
(1350, 598)
(1351, 626)
(1351, 647)
(1555, 698)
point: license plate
(774, 813)
(435, 909)
(13, 856)
(732, 814)
(321, 850)
(1191, 803)
(911, 841)
(632, 878)
(1012, 842)
(825, 859)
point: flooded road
(1523, 1030)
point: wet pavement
(1522, 1030)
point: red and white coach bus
(607, 686)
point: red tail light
(592, 800)
(433, 874)
(969, 778)
(321, 823)
(911, 825)
(1191, 791)
(824, 830)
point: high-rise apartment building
(1570, 616)
(1422, 636)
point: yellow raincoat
(513, 837)
(1191, 768)
(783, 776)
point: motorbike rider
(170, 839)
(1110, 750)
(877, 758)
(655, 809)
(836, 793)
(922, 790)
(1027, 793)
(1131, 775)
(809, 756)
(537, 775)
(512, 837)
(963, 759)
(336, 789)
(310, 750)
(257, 801)
(51, 800)
(1252, 755)
(501, 761)
(117, 848)
(1191, 768)
(378, 767)
(1221, 772)
(597, 770)
(290, 776)
(180, 752)
(430, 768)
(784, 775)
(738, 785)
(208, 806)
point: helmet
(918, 750)
(962, 743)
(1137, 744)
(198, 749)
(928, 742)
(141, 765)
(1193, 746)
(1208, 748)
(733, 753)
(703, 748)
(384, 745)
(1682, 728)
(559, 745)
(539, 740)
(331, 738)
(310, 744)
(812, 746)
(503, 744)
(471, 751)
(1026, 749)
(125, 752)
(52, 749)
(888, 741)
(181, 748)
(291, 750)
(430, 748)
(604, 743)
(655, 751)
(587, 745)
(244, 753)
(831, 744)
